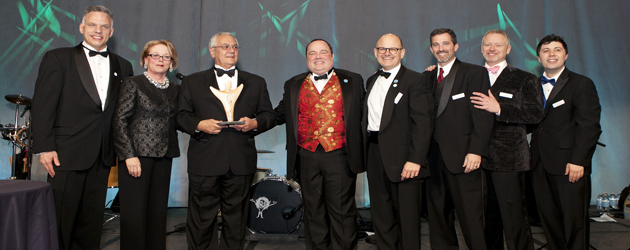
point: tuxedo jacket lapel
(449, 80)
(388, 106)
(505, 77)
(85, 73)
(240, 80)
(346, 90)
(295, 98)
(114, 80)
(211, 81)
(562, 80)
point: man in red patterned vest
(322, 111)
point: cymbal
(18, 99)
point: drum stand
(18, 100)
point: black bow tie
(220, 72)
(545, 80)
(383, 73)
(322, 77)
(94, 53)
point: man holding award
(222, 109)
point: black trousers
(506, 211)
(328, 187)
(449, 193)
(143, 204)
(563, 208)
(80, 205)
(208, 194)
(395, 206)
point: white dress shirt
(547, 88)
(447, 68)
(320, 84)
(225, 78)
(100, 71)
(493, 77)
(376, 99)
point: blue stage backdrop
(273, 35)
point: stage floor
(604, 236)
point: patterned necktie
(441, 75)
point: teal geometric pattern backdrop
(273, 35)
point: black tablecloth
(27, 216)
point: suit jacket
(460, 128)
(406, 124)
(213, 155)
(67, 113)
(353, 94)
(520, 96)
(145, 120)
(570, 128)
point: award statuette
(228, 99)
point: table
(27, 216)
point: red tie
(494, 69)
(441, 76)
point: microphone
(289, 212)
(180, 76)
(28, 107)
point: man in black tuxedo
(74, 101)
(515, 101)
(322, 111)
(398, 124)
(221, 158)
(461, 138)
(562, 147)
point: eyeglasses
(226, 46)
(382, 50)
(157, 57)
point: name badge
(505, 95)
(458, 96)
(398, 97)
(558, 103)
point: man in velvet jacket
(515, 101)
(461, 138)
(221, 158)
(322, 112)
(398, 125)
(562, 147)
(73, 105)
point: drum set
(275, 204)
(19, 136)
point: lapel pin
(395, 85)
(115, 74)
(345, 80)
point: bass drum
(275, 206)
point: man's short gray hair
(213, 39)
(98, 8)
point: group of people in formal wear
(459, 128)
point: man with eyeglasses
(398, 125)
(322, 112)
(461, 138)
(74, 102)
(222, 151)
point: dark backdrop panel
(273, 35)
